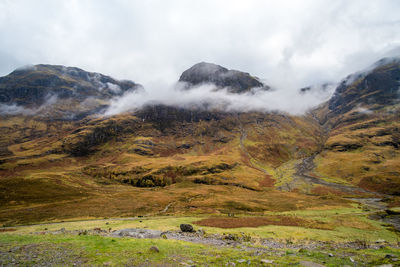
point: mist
(208, 96)
(14, 109)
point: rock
(385, 265)
(310, 264)
(267, 261)
(189, 263)
(389, 256)
(154, 249)
(241, 260)
(230, 237)
(137, 233)
(330, 255)
(351, 259)
(201, 232)
(188, 228)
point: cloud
(14, 109)
(288, 44)
(363, 110)
(205, 96)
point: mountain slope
(364, 116)
(165, 159)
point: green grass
(98, 250)
(343, 225)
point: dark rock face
(187, 228)
(323, 87)
(89, 136)
(380, 86)
(34, 85)
(164, 117)
(236, 81)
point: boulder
(154, 249)
(188, 228)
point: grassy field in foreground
(28, 245)
(336, 225)
(26, 250)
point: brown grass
(262, 221)
(2, 230)
(380, 185)
(267, 182)
(38, 188)
(324, 190)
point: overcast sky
(288, 43)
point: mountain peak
(33, 86)
(236, 81)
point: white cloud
(14, 109)
(206, 96)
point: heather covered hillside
(212, 133)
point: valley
(287, 188)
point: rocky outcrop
(236, 81)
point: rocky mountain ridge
(236, 81)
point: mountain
(362, 145)
(71, 91)
(373, 88)
(172, 160)
(236, 81)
